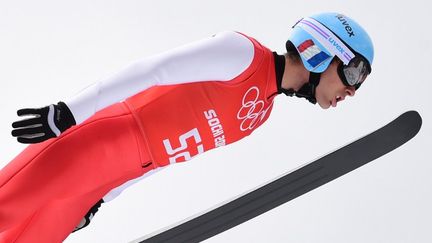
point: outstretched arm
(221, 57)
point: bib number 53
(181, 153)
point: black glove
(89, 216)
(47, 122)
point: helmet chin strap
(307, 91)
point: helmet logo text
(336, 45)
(345, 23)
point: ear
(350, 91)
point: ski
(294, 184)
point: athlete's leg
(69, 174)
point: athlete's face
(331, 90)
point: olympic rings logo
(252, 111)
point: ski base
(294, 184)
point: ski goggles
(355, 72)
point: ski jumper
(158, 111)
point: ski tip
(414, 116)
(413, 119)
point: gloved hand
(47, 122)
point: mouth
(335, 100)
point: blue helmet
(319, 38)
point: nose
(350, 91)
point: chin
(323, 105)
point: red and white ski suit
(158, 111)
